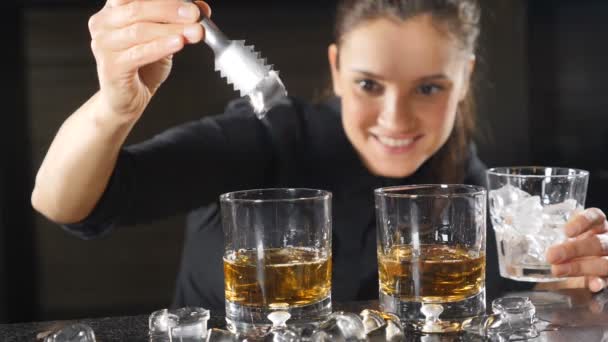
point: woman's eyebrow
(433, 77)
(374, 75)
(367, 73)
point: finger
(596, 284)
(204, 7)
(592, 245)
(147, 53)
(587, 220)
(159, 11)
(141, 33)
(598, 229)
(115, 3)
(582, 267)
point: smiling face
(400, 83)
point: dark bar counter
(574, 316)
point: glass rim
(315, 194)
(502, 171)
(472, 190)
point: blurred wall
(502, 87)
(568, 102)
(18, 271)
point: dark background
(541, 92)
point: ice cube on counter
(183, 324)
(72, 333)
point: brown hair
(456, 18)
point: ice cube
(551, 236)
(322, 336)
(72, 333)
(502, 198)
(506, 196)
(341, 327)
(162, 321)
(189, 323)
(516, 249)
(381, 326)
(394, 330)
(527, 215)
(556, 215)
(534, 254)
(513, 319)
(502, 203)
(519, 310)
(538, 244)
(517, 317)
(372, 320)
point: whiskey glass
(277, 257)
(431, 254)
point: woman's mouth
(392, 142)
(396, 145)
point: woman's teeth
(395, 142)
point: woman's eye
(369, 86)
(429, 89)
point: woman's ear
(332, 54)
(468, 74)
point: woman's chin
(390, 170)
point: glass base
(515, 264)
(254, 322)
(450, 318)
(533, 273)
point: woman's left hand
(587, 254)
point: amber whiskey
(286, 276)
(438, 273)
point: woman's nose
(396, 114)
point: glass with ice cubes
(529, 207)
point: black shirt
(186, 168)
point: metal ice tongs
(244, 69)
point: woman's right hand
(133, 42)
